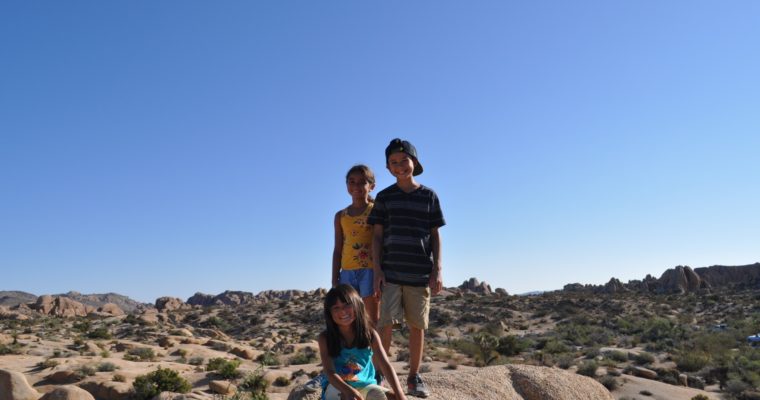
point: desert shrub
(105, 353)
(588, 368)
(512, 345)
(643, 358)
(106, 367)
(140, 354)
(227, 369)
(10, 349)
(160, 380)
(99, 333)
(281, 381)
(565, 360)
(692, 361)
(268, 358)
(555, 347)
(700, 397)
(609, 382)
(47, 364)
(119, 378)
(306, 356)
(195, 360)
(255, 384)
(617, 355)
(216, 322)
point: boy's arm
(337, 251)
(329, 370)
(377, 251)
(380, 359)
(436, 278)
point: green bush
(617, 355)
(281, 381)
(106, 367)
(512, 345)
(99, 333)
(692, 361)
(700, 397)
(140, 354)
(160, 380)
(588, 368)
(555, 347)
(609, 382)
(643, 358)
(254, 383)
(268, 358)
(307, 356)
(195, 360)
(227, 369)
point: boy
(406, 254)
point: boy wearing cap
(406, 254)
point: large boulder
(170, 304)
(111, 308)
(475, 286)
(61, 307)
(505, 382)
(681, 280)
(108, 390)
(13, 386)
(67, 392)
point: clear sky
(156, 148)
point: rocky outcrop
(614, 286)
(171, 304)
(681, 279)
(721, 275)
(61, 307)
(13, 385)
(236, 298)
(475, 286)
(98, 300)
(505, 382)
(108, 390)
(111, 308)
(67, 392)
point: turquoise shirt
(355, 367)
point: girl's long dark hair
(361, 325)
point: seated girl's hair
(363, 331)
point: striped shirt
(407, 220)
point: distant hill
(10, 298)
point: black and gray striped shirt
(407, 220)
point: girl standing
(350, 348)
(352, 255)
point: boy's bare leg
(416, 343)
(386, 333)
(372, 307)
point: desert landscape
(685, 335)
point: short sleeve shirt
(408, 220)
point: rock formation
(170, 304)
(475, 286)
(681, 280)
(13, 385)
(505, 382)
(61, 307)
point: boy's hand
(379, 281)
(436, 282)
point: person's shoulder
(390, 189)
(427, 190)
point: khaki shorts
(401, 302)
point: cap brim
(417, 169)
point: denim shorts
(361, 279)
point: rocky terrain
(676, 337)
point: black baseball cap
(397, 145)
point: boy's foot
(313, 384)
(416, 387)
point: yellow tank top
(357, 240)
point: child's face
(358, 187)
(401, 165)
(342, 313)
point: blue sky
(165, 148)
